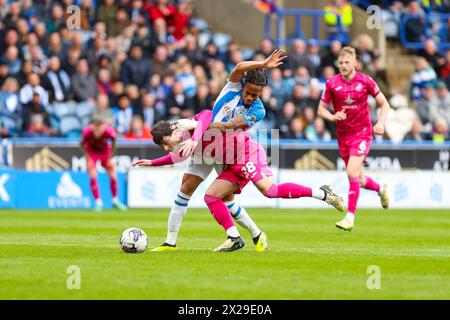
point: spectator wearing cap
(135, 69)
(84, 85)
(441, 110)
(57, 81)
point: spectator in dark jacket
(57, 81)
(135, 70)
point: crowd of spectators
(134, 62)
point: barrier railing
(430, 21)
(280, 14)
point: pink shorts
(358, 146)
(242, 174)
(102, 157)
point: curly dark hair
(257, 77)
(162, 129)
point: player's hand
(340, 115)
(142, 163)
(188, 147)
(275, 59)
(378, 128)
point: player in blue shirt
(237, 107)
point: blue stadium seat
(70, 125)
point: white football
(133, 240)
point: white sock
(176, 215)
(99, 202)
(350, 216)
(233, 232)
(115, 200)
(241, 216)
(318, 194)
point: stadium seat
(63, 109)
(70, 125)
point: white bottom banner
(157, 187)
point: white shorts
(197, 167)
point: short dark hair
(160, 130)
(257, 77)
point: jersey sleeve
(327, 94)
(111, 133)
(372, 87)
(255, 114)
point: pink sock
(371, 185)
(353, 195)
(113, 186)
(288, 190)
(94, 188)
(219, 211)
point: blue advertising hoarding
(55, 190)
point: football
(134, 240)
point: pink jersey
(351, 97)
(101, 144)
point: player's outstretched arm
(382, 102)
(233, 124)
(273, 61)
(169, 159)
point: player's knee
(362, 181)
(209, 198)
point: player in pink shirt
(347, 92)
(98, 142)
(243, 161)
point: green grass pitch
(308, 258)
